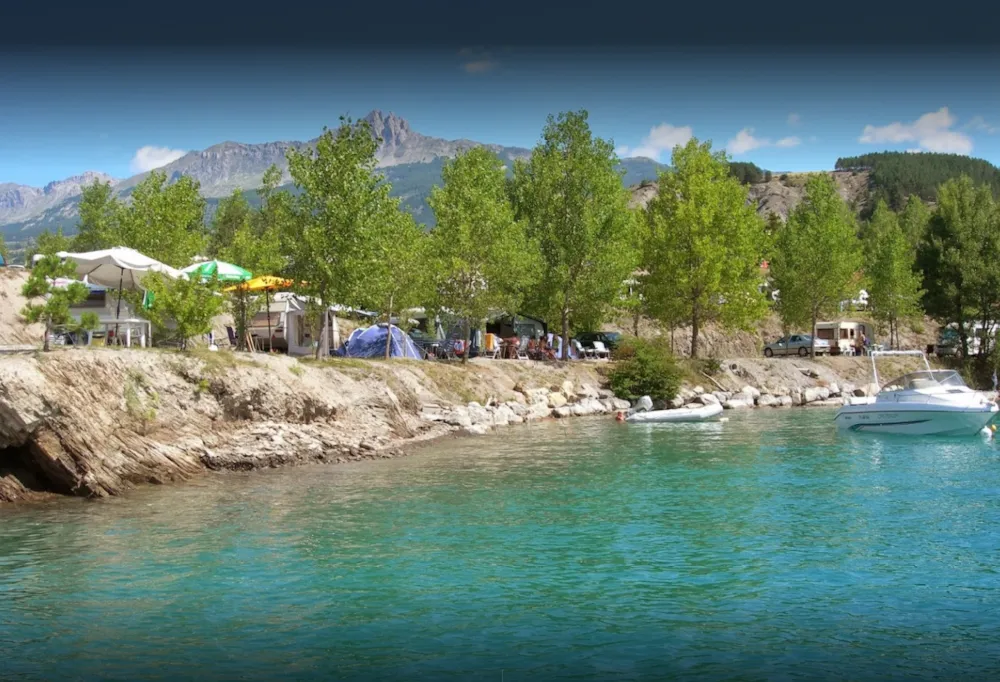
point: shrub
(644, 368)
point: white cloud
(480, 65)
(149, 157)
(978, 123)
(932, 132)
(745, 142)
(794, 119)
(788, 142)
(661, 138)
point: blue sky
(64, 113)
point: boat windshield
(941, 378)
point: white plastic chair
(601, 351)
(522, 349)
(584, 353)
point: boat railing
(885, 353)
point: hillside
(782, 192)
(896, 175)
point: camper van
(845, 336)
(949, 343)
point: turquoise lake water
(766, 547)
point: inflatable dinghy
(683, 414)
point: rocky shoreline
(832, 395)
(98, 422)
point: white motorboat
(682, 414)
(922, 403)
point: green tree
(49, 243)
(571, 196)
(482, 260)
(913, 220)
(958, 238)
(232, 216)
(893, 284)
(346, 239)
(181, 306)
(817, 256)
(705, 244)
(165, 222)
(56, 301)
(256, 246)
(99, 213)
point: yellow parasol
(265, 283)
(262, 283)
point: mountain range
(411, 162)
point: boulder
(847, 388)
(503, 415)
(609, 404)
(477, 430)
(557, 400)
(780, 391)
(563, 412)
(538, 395)
(480, 415)
(538, 411)
(698, 390)
(567, 390)
(595, 405)
(767, 400)
(784, 401)
(708, 399)
(737, 404)
(797, 396)
(750, 392)
(459, 416)
(686, 394)
(721, 396)
(519, 409)
(620, 404)
(605, 393)
(834, 388)
(812, 394)
(677, 403)
(587, 391)
(828, 402)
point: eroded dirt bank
(94, 422)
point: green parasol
(226, 272)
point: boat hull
(697, 414)
(916, 419)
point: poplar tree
(571, 196)
(893, 285)
(482, 260)
(817, 256)
(705, 244)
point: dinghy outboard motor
(644, 404)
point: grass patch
(141, 402)
(296, 370)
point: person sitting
(532, 349)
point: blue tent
(370, 343)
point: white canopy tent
(119, 267)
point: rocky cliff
(782, 193)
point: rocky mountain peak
(393, 129)
(75, 183)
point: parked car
(796, 344)
(609, 339)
